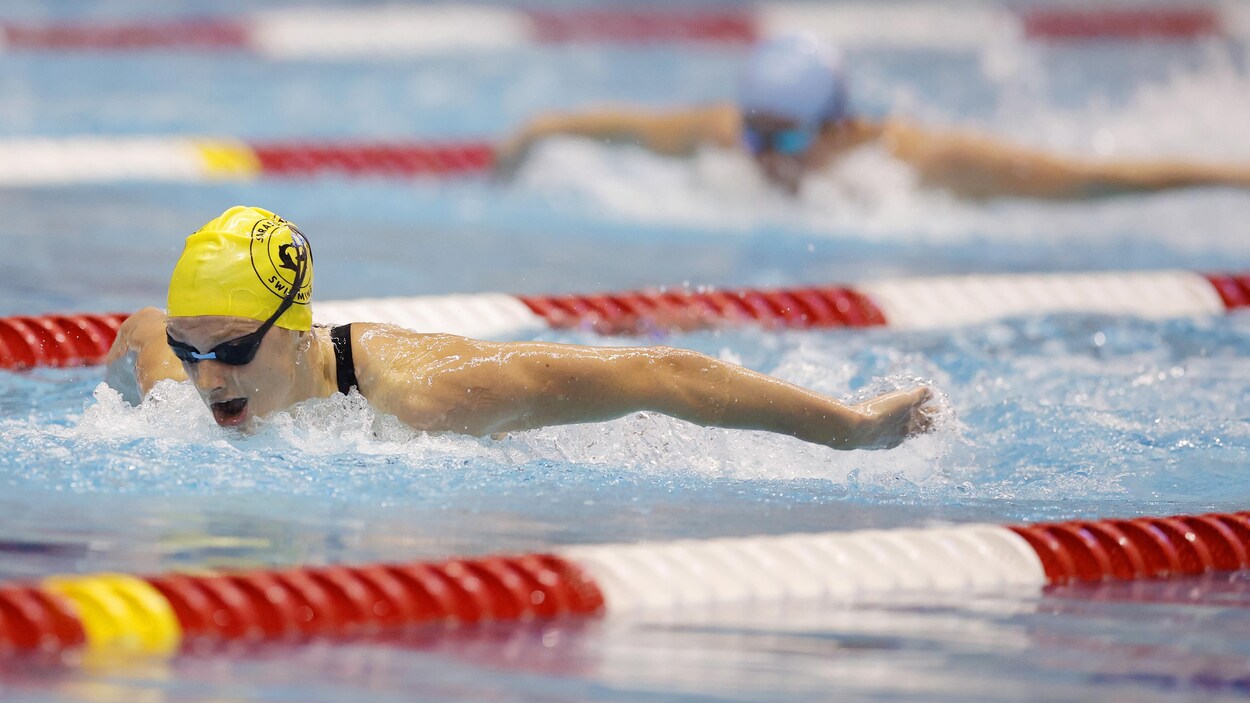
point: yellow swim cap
(243, 263)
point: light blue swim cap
(796, 76)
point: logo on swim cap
(282, 258)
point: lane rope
(160, 615)
(903, 304)
(388, 31)
(52, 162)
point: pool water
(1044, 417)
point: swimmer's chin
(231, 413)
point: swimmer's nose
(209, 376)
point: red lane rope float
(56, 340)
(634, 312)
(377, 159)
(1127, 23)
(350, 601)
(32, 620)
(1233, 289)
(1140, 548)
(642, 27)
(186, 34)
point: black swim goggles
(242, 350)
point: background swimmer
(793, 116)
(249, 266)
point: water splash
(1198, 109)
(1037, 409)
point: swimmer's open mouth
(230, 413)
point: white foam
(867, 193)
(1195, 114)
(171, 411)
(715, 189)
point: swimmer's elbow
(685, 384)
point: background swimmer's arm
(1112, 177)
(140, 356)
(481, 388)
(981, 167)
(676, 133)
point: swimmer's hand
(889, 419)
(120, 376)
(140, 356)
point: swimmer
(239, 326)
(793, 116)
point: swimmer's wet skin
(239, 327)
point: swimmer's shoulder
(148, 318)
(382, 336)
(141, 327)
(416, 375)
(381, 347)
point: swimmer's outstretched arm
(980, 166)
(675, 133)
(480, 388)
(140, 355)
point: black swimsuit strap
(341, 337)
